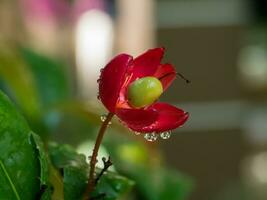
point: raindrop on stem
(103, 117)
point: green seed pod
(144, 91)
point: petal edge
(166, 74)
(169, 118)
(111, 80)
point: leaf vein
(9, 180)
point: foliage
(21, 175)
(75, 171)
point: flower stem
(91, 181)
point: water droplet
(137, 133)
(165, 135)
(109, 123)
(122, 123)
(151, 137)
(103, 117)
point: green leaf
(51, 181)
(12, 192)
(50, 77)
(112, 186)
(75, 181)
(43, 159)
(75, 171)
(47, 194)
(19, 164)
(74, 167)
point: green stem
(91, 181)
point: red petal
(137, 118)
(169, 118)
(166, 74)
(147, 63)
(111, 80)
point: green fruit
(144, 91)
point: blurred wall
(203, 40)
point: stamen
(182, 77)
(177, 73)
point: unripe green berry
(144, 91)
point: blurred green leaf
(131, 154)
(112, 186)
(50, 77)
(78, 121)
(158, 183)
(19, 84)
(74, 168)
(56, 186)
(154, 181)
(174, 185)
(75, 171)
(54, 189)
(19, 164)
(17, 81)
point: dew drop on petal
(103, 117)
(137, 133)
(165, 135)
(151, 137)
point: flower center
(144, 91)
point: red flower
(115, 79)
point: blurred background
(51, 52)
